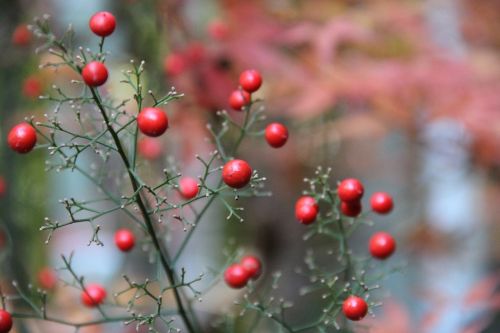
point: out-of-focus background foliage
(404, 95)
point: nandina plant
(93, 126)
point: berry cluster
(250, 82)
(276, 134)
(349, 193)
(237, 275)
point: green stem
(345, 250)
(191, 231)
(139, 107)
(243, 131)
(255, 323)
(101, 45)
(344, 245)
(186, 239)
(79, 280)
(163, 253)
(96, 183)
(274, 318)
(67, 323)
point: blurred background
(404, 95)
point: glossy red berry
(351, 208)
(382, 245)
(306, 209)
(150, 148)
(95, 74)
(236, 173)
(306, 214)
(238, 99)
(252, 265)
(5, 321)
(381, 202)
(21, 35)
(124, 239)
(236, 276)
(93, 295)
(22, 138)
(32, 87)
(355, 308)
(276, 135)
(175, 64)
(102, 24)
(250, 80)
(152, 121)
(188, 187)
(47, 278)
(350, 189)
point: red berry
(382, 245)
(150, 148)
(236, 173)
(47, 278)
(308, 201)
(95, 74)
(306, 214)
(102, 24)
(236, 276)
(5, 321)
(21, 36)
(252, 265)
(238, 99)
(355, 308)
(174, 64)
(250, 80)
(32, 87)
(276, 135)
(351, 208)
(152, 121)
(350, 189)
(188, 187)
(306, 209)
(218, 30)
(124, 239)
(22, 138)
(93, 295)
(381, 202)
